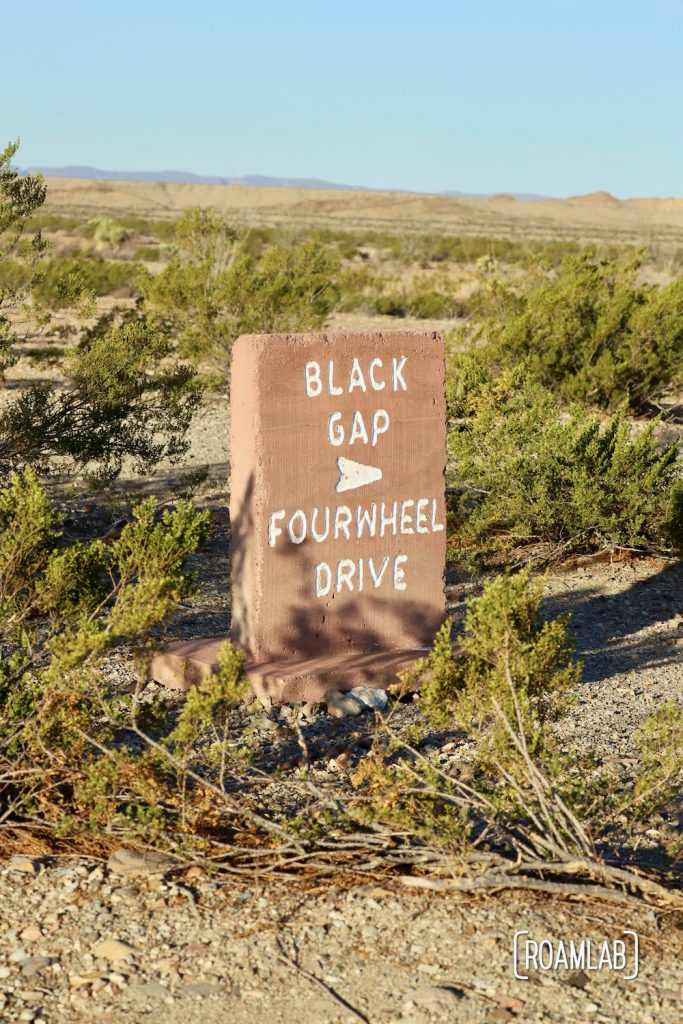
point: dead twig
(286, 959)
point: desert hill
(594, 217)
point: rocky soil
(128, 941)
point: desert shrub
(107, 231)
(60, 279)
(593, 334)
(419, 301)
(15, 276)
(392, 303)
(148, 253)
(504, 685)
(53, 222)
(121, 398)
(20, 197)
(431, 304)
(122, 401)
(504, 637)
(524, 471)
(63, 607)
(212, 291)
(357, 288)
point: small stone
(436, 999)
(500, 1015)
(148, 990)
(28, 1014)
(510, 1003)
(29, 865)
(31, 933)
(83, 980)
(114, 950)
(140, 862)
(202, 989)
(310, 710)
(34, 965)
(266, 724)
(371, 696)
(5, 972)
(579, 979)
(341, 705)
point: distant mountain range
(187, 178)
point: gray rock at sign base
(140, 862)
(340, 705)
(371, 696)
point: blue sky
(556, 97)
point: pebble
(371, 697)
(435, 998)
(29, 865)
(114, 950)
(34, 965)
(202, 989)
(147, 991)
(140, 862)
(341, 705)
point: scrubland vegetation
(561, 363)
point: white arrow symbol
(355, 474)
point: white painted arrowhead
(355, 474)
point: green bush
(60, 279)
(508, 679)
(20, 197)
(420, 301)
(122, 401)
(212, 291)
(63, 607)
(430, 304)
(524, 471)
(15, 276)
(504, 638)
(593, 334)
(107, 231)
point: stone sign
(337, 505)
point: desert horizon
(594, 217)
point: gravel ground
(83, 942)
(204, 950)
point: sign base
(187, 662)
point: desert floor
(259, 949)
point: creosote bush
(122, 401)
(590, 332)
(122, 398)
(524, 471)
(510, 677)
(63, 607)
(213, 289)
